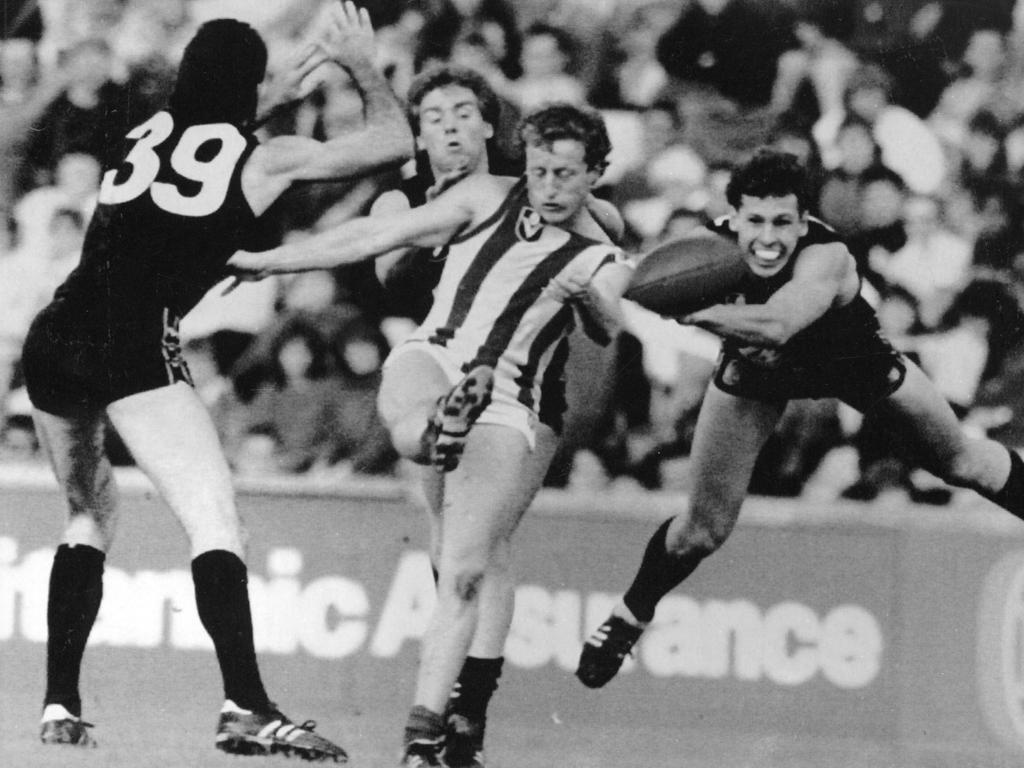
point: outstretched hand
(568, 285)
(347, 34)
(293, 82)
(245, 267)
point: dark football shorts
(860, 381)
(68, 375)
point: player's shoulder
(391, 201)
(827, 254)
(607, 219)
(716, 226)
(598, 247)
(822, 238)
(480, 195)
(820, 232)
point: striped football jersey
(489, 307)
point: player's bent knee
(467, 585)
(408, 440)
(963, 468)
(465, 581)
(83, 502)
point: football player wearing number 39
(183, 197)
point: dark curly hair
(220, 71)
(449, 74)
(769, 173)
(548, 124)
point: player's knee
(464, 576)
(80, 501)
(409, 442)
(466, 583)
(88, 500)
(961, 468)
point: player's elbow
(775, 333)
(393, 142)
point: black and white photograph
(512, 383)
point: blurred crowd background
(909, 115)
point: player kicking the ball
(453, 112)
(493, 349)
(181, 197)
(802, 330)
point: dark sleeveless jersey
(170, 214)
(846, 331)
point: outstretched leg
(173, 440)
(478, 678)
(729, 435)
(936, 435)
(75, 449)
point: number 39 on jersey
(212, 174)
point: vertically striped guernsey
(489, 307)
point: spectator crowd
(909, 117)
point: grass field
(133, 731)
(156, 705)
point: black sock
(1011, 497)
(222, 598)
(76, 590)
(659, 574)
(423, 724)
(477, 682)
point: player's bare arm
(601, 303)
(383, 140)
(392, 201)
(824, 276)
(359, 239)
(595, 294)
(292, 83)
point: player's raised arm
(607, 217)
(427, 226)
(384, 138)
(821, 274)
(287, 87)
